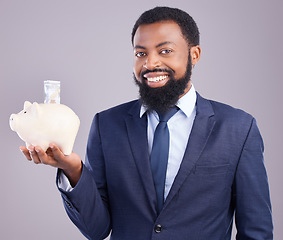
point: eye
(166, 51)
(140, 54)
(25, 111)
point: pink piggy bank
(41, 124)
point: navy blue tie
(159, 155)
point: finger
(34, 155)
(42, 156)
(25, 151)
(57, 153)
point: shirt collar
(186, 103)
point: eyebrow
(158, 45)
(139, 46)
(164, 43)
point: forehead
(155, 33)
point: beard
(163, 98)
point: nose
(12, 117)
(152, 61)
(12, 122)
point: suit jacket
(222, 173)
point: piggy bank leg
(67, 147)
(67, 150)
(27, 145)
(44, 146)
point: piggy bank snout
(13, 121)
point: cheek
(181, 71)
(180, 66)
(137, 69)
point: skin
(157, 45)
(71, 164)
(162, 45)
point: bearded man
(171, 165)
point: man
(214, 158)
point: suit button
(157, 228)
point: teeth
(157, 79)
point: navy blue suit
(222, 173)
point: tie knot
(164, 117)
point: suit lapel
(201, 130)
(137, 133)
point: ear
(27, 104)
(195, 54)
(35, 109)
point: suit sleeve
(251, 192)
(87, 204)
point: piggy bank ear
(35, 109)
(27, 104)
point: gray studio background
(86, 45)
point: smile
(157, 79)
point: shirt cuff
(64, 182)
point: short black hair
(184, 20)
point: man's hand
(70, 164)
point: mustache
(170, 71)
